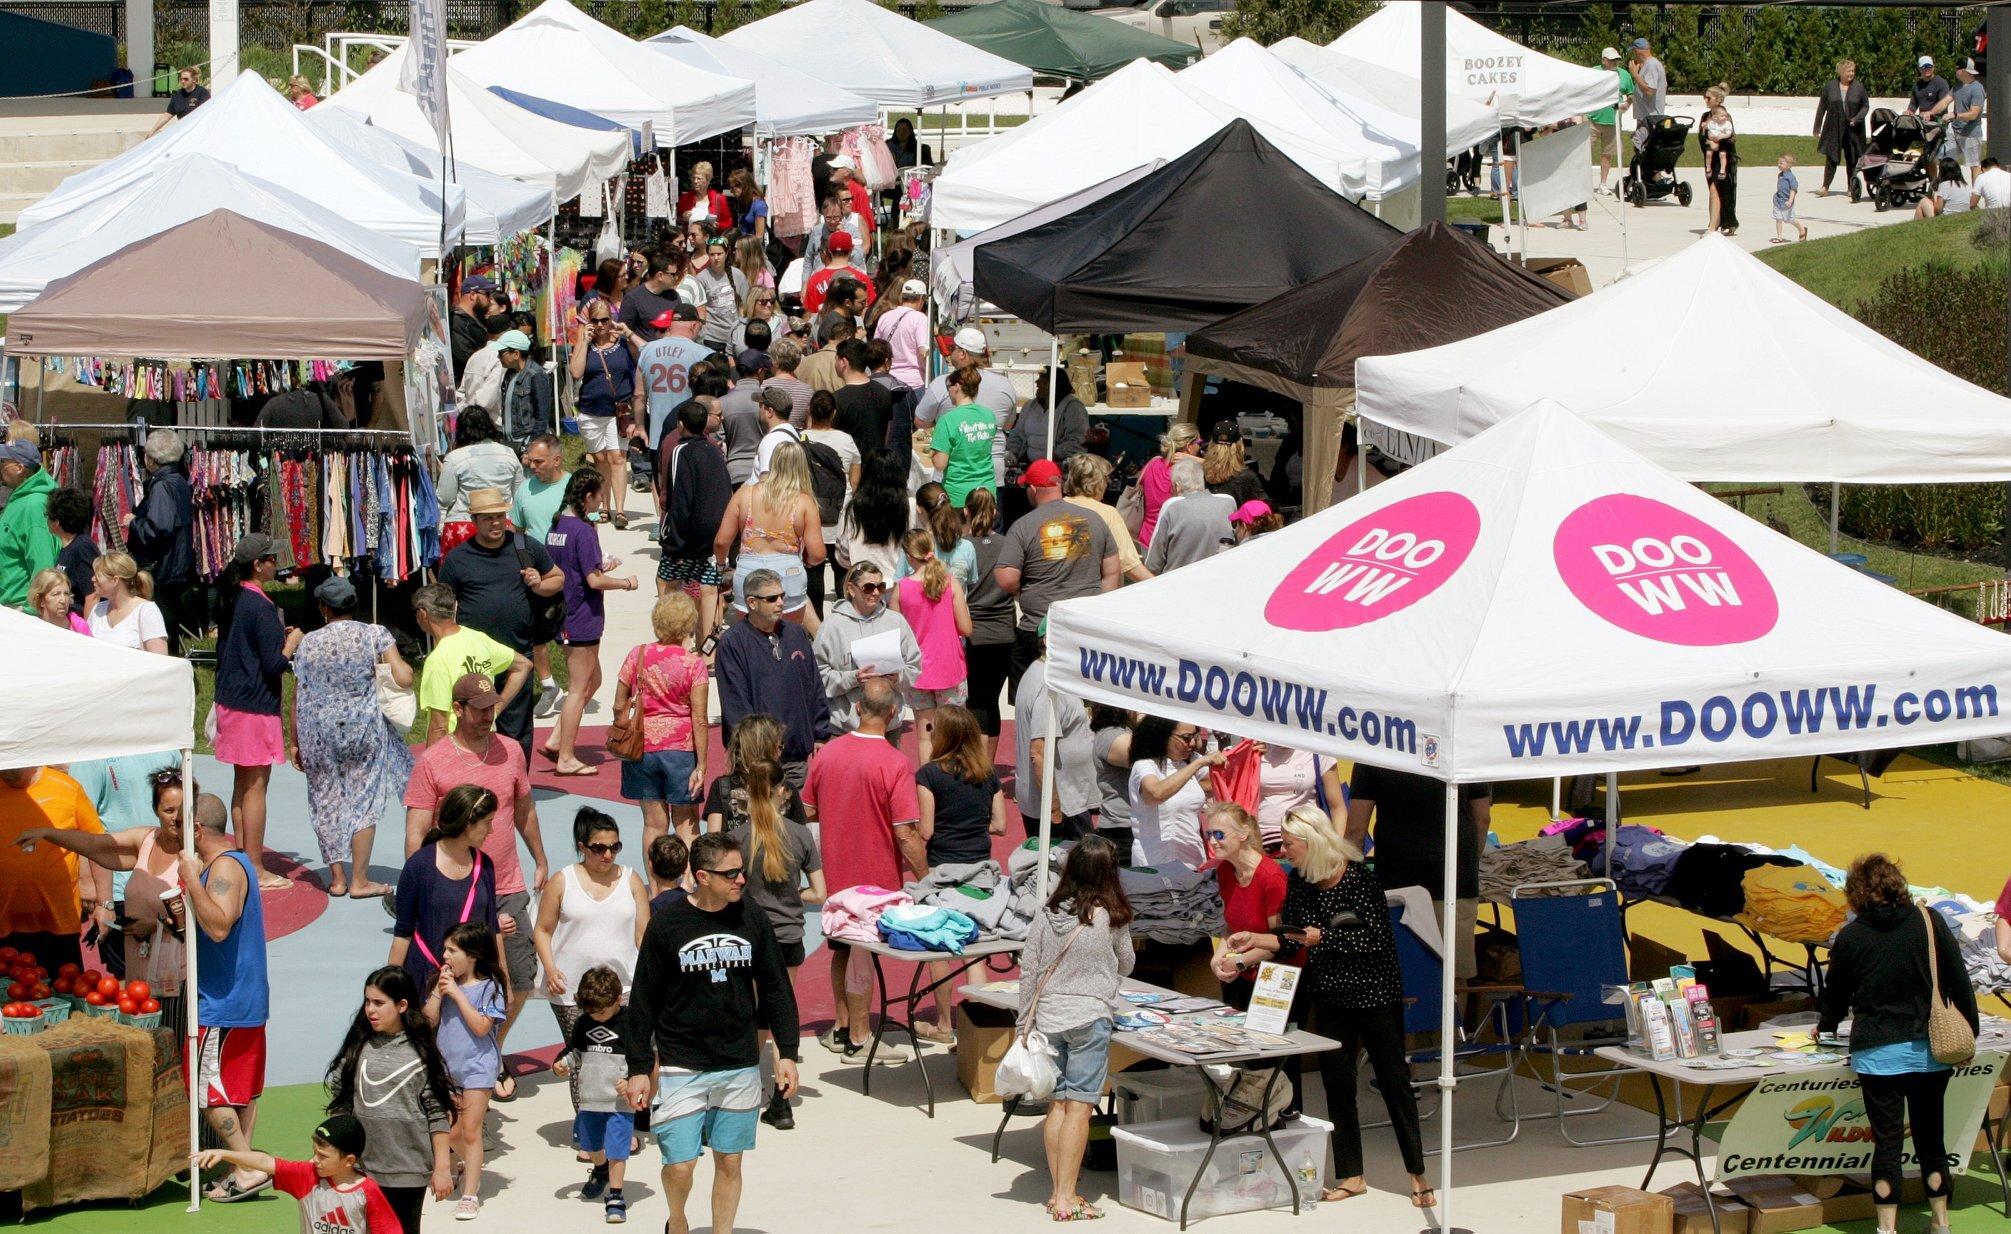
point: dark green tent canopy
(1058, 42)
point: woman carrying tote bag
(1077, 956)
(1896, 972)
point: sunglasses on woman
(1218, 836)
(603, 850)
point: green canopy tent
(1058, 42)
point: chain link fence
(108, 19)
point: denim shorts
(660, 775)
(1084, 1057)
(795, 580)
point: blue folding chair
(1574, 947)
(1423, 973)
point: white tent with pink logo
(1538, 601)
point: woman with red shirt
(702, 201)
(1253, 890)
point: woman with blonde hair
(669, 681)
(300, 92)
(932, 601)
(757, 305)
(1225, 470)
(779, 528)
(1155, 480)
(703, 203)
(49, 599)
(125, 612)
(1336, 924)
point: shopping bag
(1030, 1068)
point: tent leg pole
(1620, 148)
(1835, 500)
(1612, 816)
(1046, 799)
(552, 309)
(1515, 190)
(1556, 798)
(1448, 1010)
(189, 999)
(1053, 363)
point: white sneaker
(1603, 191)
(548, 701)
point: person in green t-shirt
(962, 441)
(457, 651)
(1605, 122)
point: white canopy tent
(43, 726)
(1396, 629)
(488, 131)
(497, 206)
(1395, 88)
(787, 101)
(557, 52)
(186, 189)
(1138, 114)
(876, 52)
(1528, 88)
(1730, 371)
(1352, 144)
(954, 266)
(250, 127)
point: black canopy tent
(1431, 286)
(1231, 223)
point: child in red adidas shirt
(335, 1197)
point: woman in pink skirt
(254, 650)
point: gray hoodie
(1085, 979)
(842, 627)
(398, 1113)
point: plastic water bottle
(1309, 1181)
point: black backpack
(827, 480)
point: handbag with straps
(1949, 1038)
(548, 613)
(624, 735)
(467, 910)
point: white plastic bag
(1030, 1068)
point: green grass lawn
(1848, 269)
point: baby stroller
(1652, 174)
(1897, 166)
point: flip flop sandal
(1334, 1195)
(1078, 1212)
(504, 1077)
(230, 1191)
(1424, 1197)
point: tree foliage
(1316, 21)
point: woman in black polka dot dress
(1354, 984)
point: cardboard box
(1779, 1204)
(1693, 1215)
(1752, 1015)
(2000, 1102)
(1567, 272)
(1126, 385)
(983, 1034)
(1617, 1210)
(1848, 1202)
(1648, 959)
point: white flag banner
(424, 74)
(1556, 172)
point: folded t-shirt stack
(1545, 859)
(1173, 903)
(978, 890)
(920, 927)
(1795, 903)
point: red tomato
(109, 987)
(150, 1006)
(64, 985)
(95, 999)
(17, 990)
(128, 1007)
(88, 979)
(40, 991)
(140, 990)
(7, 955)
(68, 970)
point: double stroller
(1652, 174)
(1898, 165)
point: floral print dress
(355, 761)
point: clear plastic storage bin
(1156, 1162)
(1156, 1096)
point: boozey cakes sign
(1658, 572)
(1378, 565)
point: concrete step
(12, 204)
(89, 144)
(38, 178)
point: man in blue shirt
(767, 665)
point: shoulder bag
(1031, 1066)
(548, 613)
(624, 735)
(1949, 1038)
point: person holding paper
(1336, 924)
(863, 640)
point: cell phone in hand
(1346, 919)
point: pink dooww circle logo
(1379, 564)
(1655, 571)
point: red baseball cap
(1042, 473)
(841, 242)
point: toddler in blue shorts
(598, 1049)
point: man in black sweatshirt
(709, 976)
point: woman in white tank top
(592, 915)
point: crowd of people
(839, 591)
